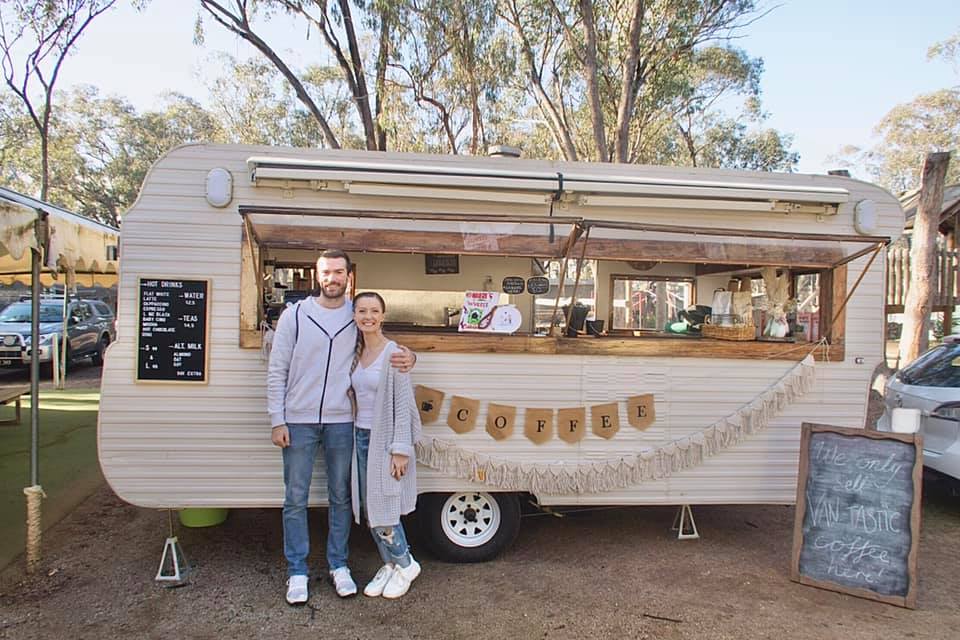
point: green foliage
(439, 76)
(947, 50)
(100, 148)
(930, 122)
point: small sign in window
(441, 263)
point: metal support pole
(35, 366)
(61, 345)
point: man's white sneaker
(400, 581)
(297, 590)
(375, 587)
(343, 583)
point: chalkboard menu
(538, 285)
(172, 344)
(513, 285)
(857, 523)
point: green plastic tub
(202, 517)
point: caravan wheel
(469, 526)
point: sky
(832, 68)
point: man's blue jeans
(391, 541)
(337, 442)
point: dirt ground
(607, 573)
(594, 574)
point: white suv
(931, 383)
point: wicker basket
(740, 333)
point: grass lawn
(69, 471)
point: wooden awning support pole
(856, 284)
(571, 240)
(576, 282)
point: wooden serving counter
(447, 341)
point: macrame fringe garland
(617, 473)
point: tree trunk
(558, 128)
(356, 62)
(916, 308)
(628, 86)
(383, 58)
(593, 89)
(44, 163)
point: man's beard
(338, 291)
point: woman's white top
(365, 381)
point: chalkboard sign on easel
(172, 330)
(857, 523)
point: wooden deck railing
(947, 293)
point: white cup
(905, 420)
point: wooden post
(916, 312)
(950, 258)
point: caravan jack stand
(176, 568)
(684, 524)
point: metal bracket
(684, 524)
(173, 563)
(176, 568)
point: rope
(630, 468)
(35, 495)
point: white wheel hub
(470, 519)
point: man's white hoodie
(309, 372)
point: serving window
(610, 287)
(648, 303)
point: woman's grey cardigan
(396, 428)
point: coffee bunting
(626, 469)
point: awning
(546, 237)
(82, 249)
(437, 181)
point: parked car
(91, 327)
(931, 383)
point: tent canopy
(74, 245)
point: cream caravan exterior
(727, 413)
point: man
(307, 382)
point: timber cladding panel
(210, 446)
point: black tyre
(97, 357)
(468, 526)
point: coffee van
(617, 380)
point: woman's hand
(398, 465)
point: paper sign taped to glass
(482, 313)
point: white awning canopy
(419, 180)
(74, 245)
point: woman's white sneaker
(297, 592)
(399, 582)
(375, 587)
(343, 583)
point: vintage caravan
(604, 383)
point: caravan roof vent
(503, 151)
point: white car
(931, 383)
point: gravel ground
(609, 573)
(598, 574)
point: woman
(387, 426)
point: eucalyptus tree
(100, 148)
(36, 36)
(340, 34)
(602, 72)
(454, 60)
